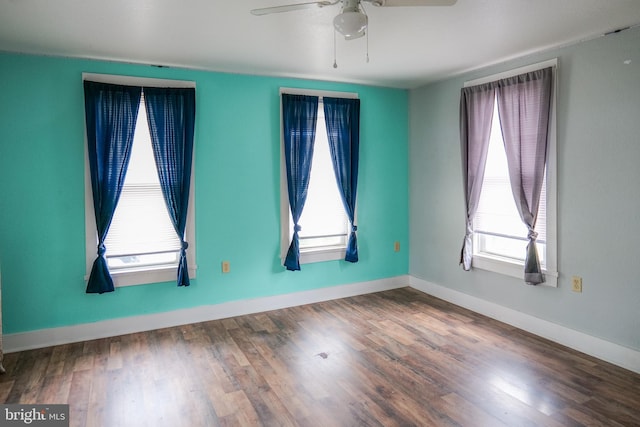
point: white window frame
(307, 255)
(511, 267)
(148, 274)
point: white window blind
(141, 231)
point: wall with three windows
(237, 173)
(598, 181)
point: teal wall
(42, 249)
(598, 141)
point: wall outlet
(576, 284)
(396, 246)
(226, 267)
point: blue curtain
(171, 114)
(299, 116)
(111, 112)
(342, 117)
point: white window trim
(308, 255)
(510, 267)
(143, 275)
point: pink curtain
(476, 114)
(524, 103)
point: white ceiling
(408, 46)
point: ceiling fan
(352, 21)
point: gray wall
(598, 119)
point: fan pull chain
(367, 30)
(335, 63)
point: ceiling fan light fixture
(351, 24)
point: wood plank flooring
(396, 358)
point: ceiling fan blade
(398, 3)
(291, 7)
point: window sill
(510, 268)
(146, 276)
(321, 254)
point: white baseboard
(613, 353)
(605, 350)
(127, 325)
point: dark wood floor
(396, 358)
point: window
(141, 234)
(324, 224)
(499, 235)
(498, 230)
(141, 245)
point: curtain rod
(137, 81)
